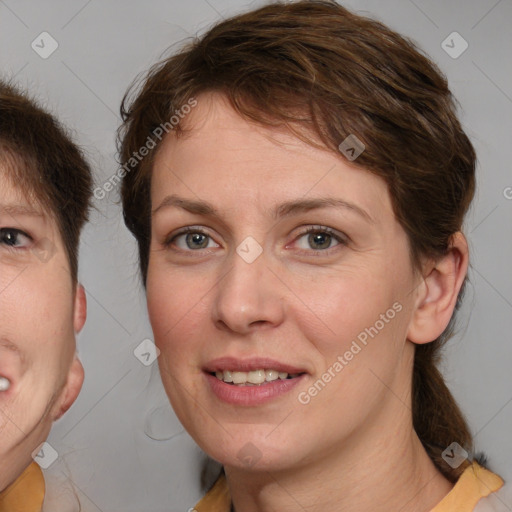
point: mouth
(251, 382)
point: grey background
(103, 441)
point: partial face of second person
(40, 311)
(334, 262)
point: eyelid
(326, 229)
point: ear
(71, 390)
(80, 311)
(438, 293)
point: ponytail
(437, 418)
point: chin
(251, 452)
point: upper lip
(249, 364)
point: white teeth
(5, 384)
(239, 377)
(225, 376)
(271, 375)
(252, 378)
(256, 377)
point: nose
(248, 297)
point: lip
(250, 395)
(247, 365)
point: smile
(253, 381)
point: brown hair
(45, 165)
(317, 68)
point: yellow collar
(476, 482)
(26, 493)
(217, 499)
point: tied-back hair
(326, 73)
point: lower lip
(251, 395)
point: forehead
(17, 197)
(222, 153)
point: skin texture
(298, 305)
(41, 309)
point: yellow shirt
(475, 483)
(26, 493)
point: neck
(372, 471)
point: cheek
(41, 312)
(336, 308)
(176, 312)
(357, 323)
(53, 303)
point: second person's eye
(14, 238)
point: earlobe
(80, 312)
(441, 288)
(72, 388)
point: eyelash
(342, 240)
(16, 232)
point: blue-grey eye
(317, 240)
(197, 240)
(193, 240)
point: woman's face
(38, 319)
(272, 260)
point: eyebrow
(19, 210)
(286, 209)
